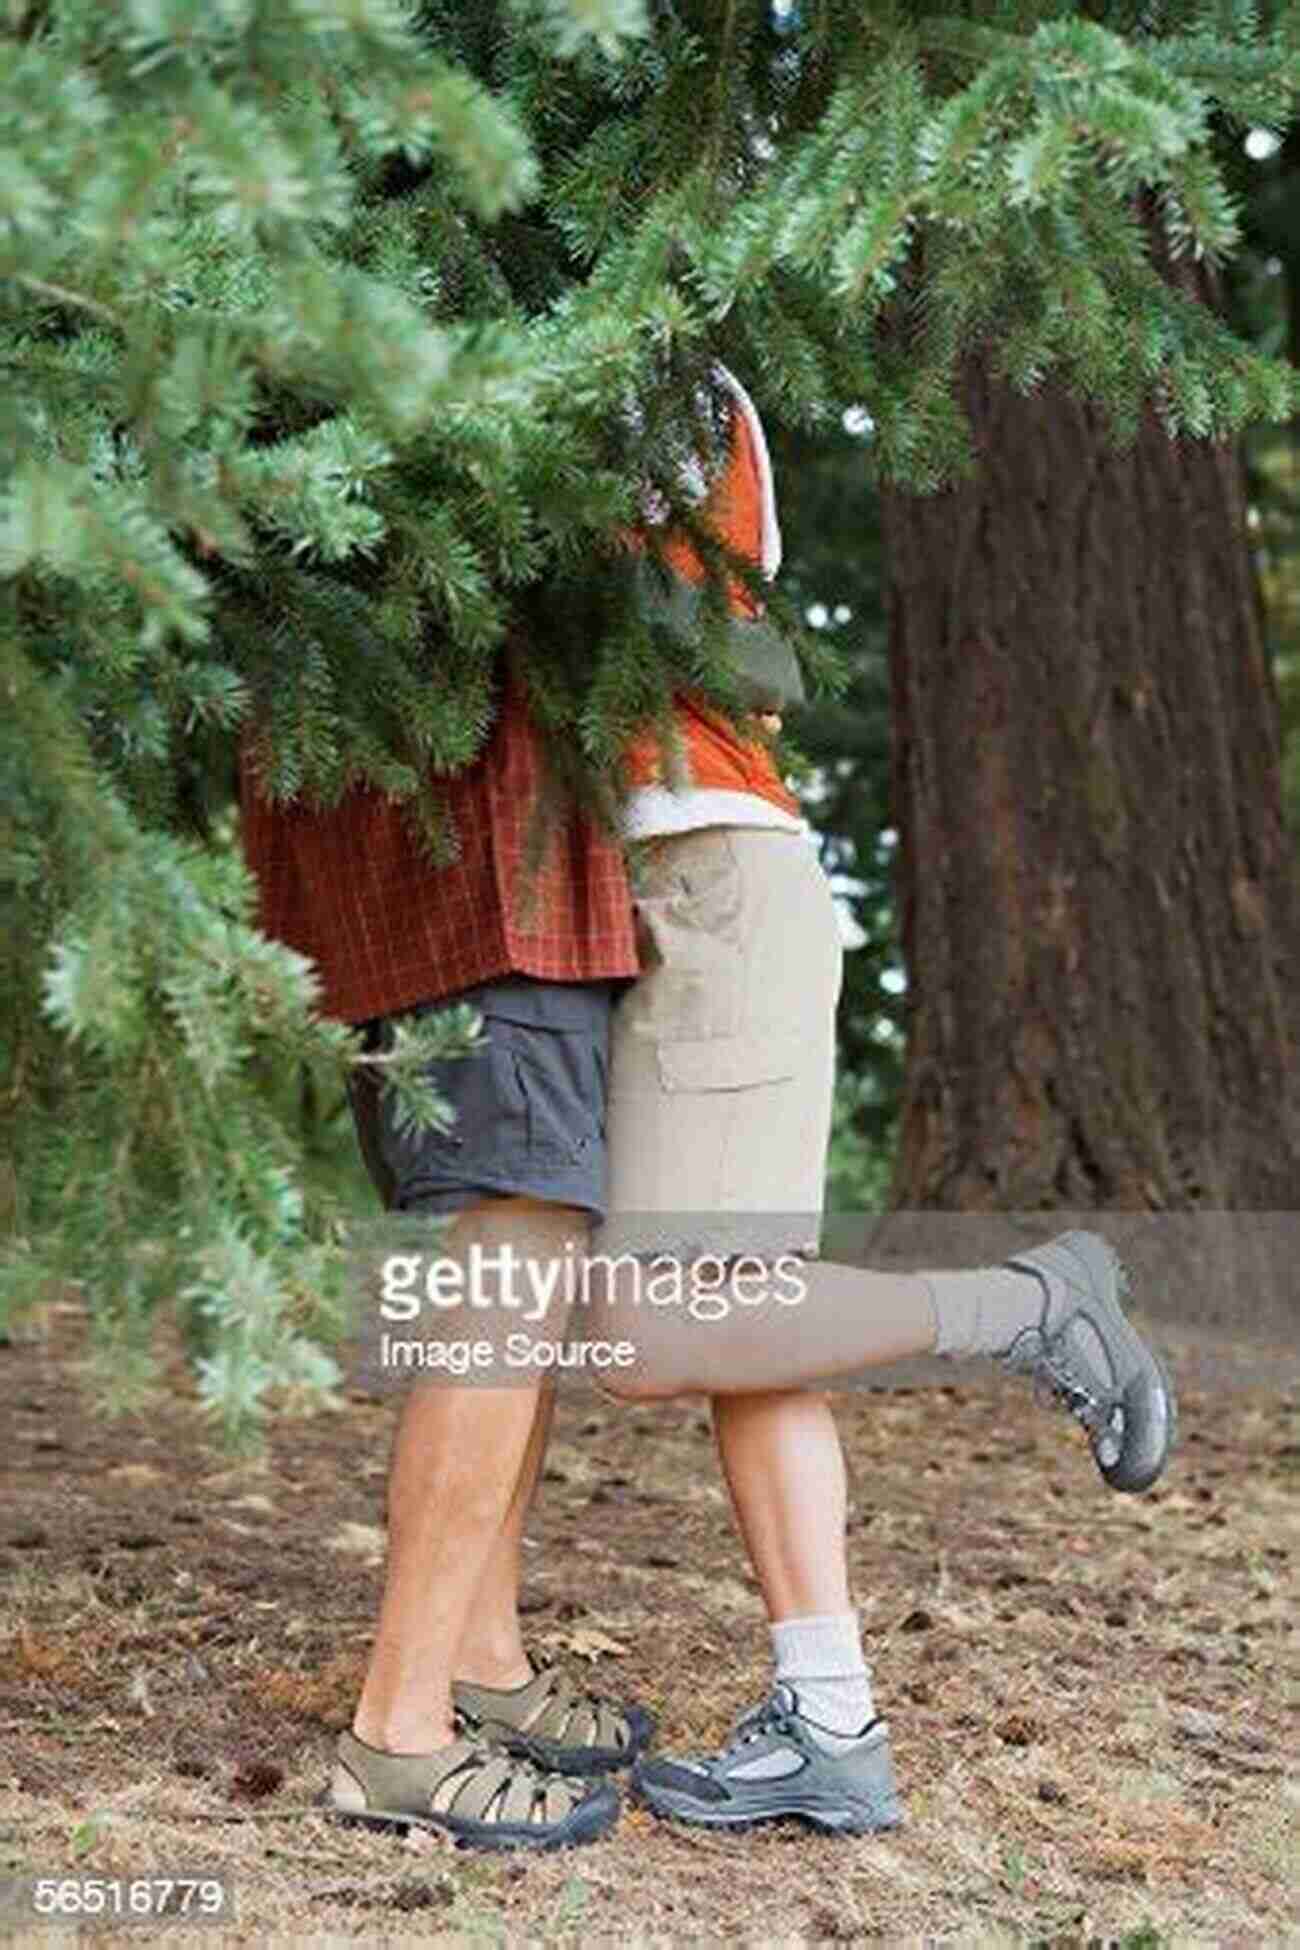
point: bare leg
(784, 1467)
(453, 1488)
(779, 1446)
(492, 1650)
(845, 1320)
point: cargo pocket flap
(726, 1062)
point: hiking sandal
(550, 1723)
(481, 1797)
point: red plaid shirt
(349, 887)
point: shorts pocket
(491, 1121)
(557, 1088)
(690, 932)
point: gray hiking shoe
(1093, 1359)
(773, 1766)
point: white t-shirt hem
(654, 810)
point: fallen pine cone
(253, 1780)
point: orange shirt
(718, 756)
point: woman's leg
(722, 1080)
(790, 1326)
(719, 1118)
(784, 1466)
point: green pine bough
(340, 342)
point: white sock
(982, 1311)
(821, 1659)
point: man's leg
(492, 1649)
(458, 1458)
(455, 1461)
(456, 1502)
(530, 1119)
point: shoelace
(1094, 1411)
(1047, 1357)
(770, 1717)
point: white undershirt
(652, 810)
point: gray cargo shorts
(529, 1104)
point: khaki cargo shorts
(722, 1056)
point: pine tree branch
(61, 295)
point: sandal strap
(551, 1708)
(574, 1719)
(554, 1707)
(463, 1779)
(473, 1789)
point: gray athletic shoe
(773, 1766)
(1093, 1359)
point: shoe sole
(1122, 1474)
(584, 1825)
(829, 1821)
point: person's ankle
(503, 1673)
(414, 1733)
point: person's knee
(637, 1385)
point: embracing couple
(655, 1079)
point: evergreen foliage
(340, 340)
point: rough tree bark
(1098, 897)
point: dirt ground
(1093, 1698)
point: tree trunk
(1098, 898)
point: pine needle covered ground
(1093, 1698)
